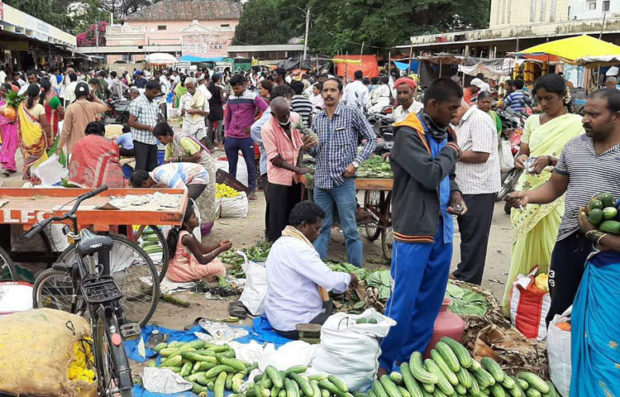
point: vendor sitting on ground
(297, 278)
(191, 260)
(190, 176)
(95, 160)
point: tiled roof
(187, 10)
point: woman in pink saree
(8, 133)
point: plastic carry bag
(50, 172)
(255, 289)
(351, 351)
(506, 160)
(559, 353)
(529, 306)
(234, 207)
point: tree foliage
(343, 25)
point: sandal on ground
(237, 309)
(252, 196)
(192, 325)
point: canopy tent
(490, 68)
(413, 66)
(160, 58)
(348, 64)
(574, 50)
(195, 59)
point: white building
(590, 9)
(505, 13)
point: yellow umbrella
(573, 49)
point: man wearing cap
(405, 89)
(84, 110)
(470, 93)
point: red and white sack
(529, 306)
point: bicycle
(94, 291)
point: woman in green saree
(535, 228)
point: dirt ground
(245, 232)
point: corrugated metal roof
(188, 10)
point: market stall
(378, 202)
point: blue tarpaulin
(191, 58)
(403, 66)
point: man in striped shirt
(300, 104)
(517, 100)
(589, 165)
(478, 176)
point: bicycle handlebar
(41, 225)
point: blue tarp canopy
(191, 58)
(403, 65)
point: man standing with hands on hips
(339, 129)
(424, 198)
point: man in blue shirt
(517, 100)
(339, 129)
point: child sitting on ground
(191, 260)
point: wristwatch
(356, 164)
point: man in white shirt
(2, 75)
(298, 280)
(356, 93)
(478, 176)
(380, 97)
(405, 89)
(194, 108)
(70, 90)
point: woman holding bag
(535, 228)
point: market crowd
(445, 161)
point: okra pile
(451, 371)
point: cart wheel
(387, 240)
(7, 268)
(373, 198)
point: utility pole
(306, 37)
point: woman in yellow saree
(34, 130)
(535, 228)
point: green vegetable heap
(375, 167)
(603, 212)
(257, 253)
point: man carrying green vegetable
(588, 165)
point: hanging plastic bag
(506, 160)
(559, 352)
(255, 289)
(350, 350)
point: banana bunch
(224, 191)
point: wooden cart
(378, 202)
(27, 206)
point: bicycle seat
(92, 243)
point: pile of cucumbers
(206, 366)
(451, 371)
(149, 242)
(604, 212)
(293, 383)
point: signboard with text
(206, 45)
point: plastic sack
(506, 160)
(529, 306)
(559, 353)
(51, 172)
(255, 289)
(39, 351)
(234, 207)
(351, 351)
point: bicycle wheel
(373, 198)
(134, 274)
(387, 240)
(151, 239)
(7, 268)
(113, 371)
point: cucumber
(196, 388)
(410, 383)
(534, 381)
(460, 389)
(448, 355)
(172, 362)
(332, 389)
(396, 377)
(612, 227)
(168, 351)
(298, 369)
(403, 392)
(227, 353)
(303, 384)
(429, 388)
(218, 388)
(532, 392)
(316, 392)
(251, 392)
(460, 351)
(202, 379)
(442, 383)
(595, 217)
(317, 377)
(338, 383)
(233, 363)
(228, 383)
(552, 391)
(186, 369)
(464, 378)
(176, 344)
(497, 390)
(493, 368)
(419, 372)
(193, 377)
(484, 378)
(176, 370)
(159, 347)
(389, 386)
(451, 376)
(378, 389)
(215, 371)
(324, 393)
(275, 391)
(266, 382)
(475, 388)
(475, 365)
(508, 383)
(237, 381)
(217, 348)
(521, 383)
(296, 388)
(195, 356)
(274, 374)
(197, 344)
